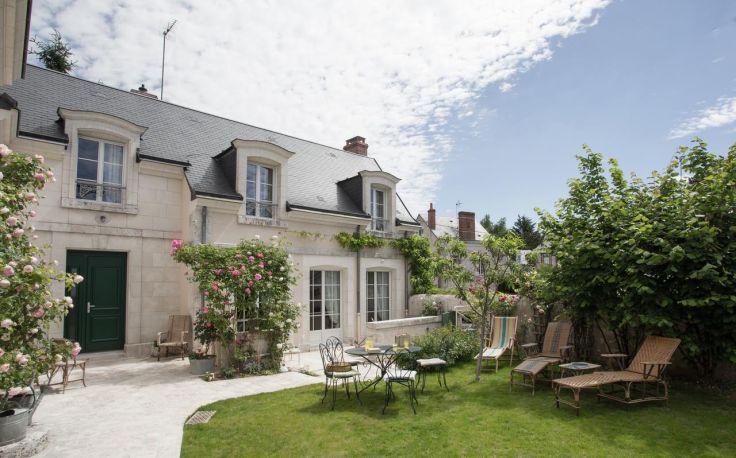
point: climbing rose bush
(27, 306)
(252, 279)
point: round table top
(580, 365)
(380, 350)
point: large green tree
(54, 52)
(525, 228)
(654, 256)
(497, 228)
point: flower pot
(200, 366)
(13, 424)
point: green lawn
(473, 419)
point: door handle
(89, 307)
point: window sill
(67, 202)
(257, 221)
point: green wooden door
(97, 320)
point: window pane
(113, 195)
(266, 211)
(252, 172)
(266, 175)
(250, 208)
(113, 174)
(113, 154)
(250, 189)
(88, 149)
(87, 170)
(266, 192)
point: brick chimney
(466, 226)
(431, 217)
(144, 92)
(356, 145)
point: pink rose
(15, 391)
(261, 265)
(205, 310)
(175, 245)
(269, 273)
(39, 158)
(206, 293)
(38, 313)
(28, 269)
(4, 283)
(235, 273)
(29, 196)
(4, 368)
(258, 277)
(251, 259)
(32, 213)
(18, 232)
(7, 323)
(250, 282)
(247, 291)
(4, 151)
(76, 349)
(12, 221)
(238, 256)
(2, 352)
(40, 177)
(260, 255)
(209, 324)
(49, 174)
(8, 271)
(21, 359)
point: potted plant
(27, 306)
(207, 329)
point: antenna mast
(163, 57)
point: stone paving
(136, 407)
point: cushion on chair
(492, 353)
(342, 374)
(427, 362)
(400, 375)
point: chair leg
(412, 397)
(325, 395)
(334, 393)
(386, 397)
(357, 394)
(84, 373)
(347, 387)
(444, 378)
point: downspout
(203, 240)
(407, 283)
(357, 291)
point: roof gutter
(302, 208)
(145, 157)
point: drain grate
(200, 417)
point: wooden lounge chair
(503, 332)
(555, 350)
(177, 337)
(647, 368)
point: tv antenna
(169, 26)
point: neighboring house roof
(448, 225)
(189, 137)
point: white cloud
(505, 86)
(722, 113)
(393, 72)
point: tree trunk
(482, 333)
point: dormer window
(100, 171)
(259, 191)
(379, 223)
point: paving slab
(136, 407)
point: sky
(485, 103)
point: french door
(325, 319)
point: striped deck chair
(555, 350)
(503, 332)
(646, 369)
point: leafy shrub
(458, 345)
(430, 307)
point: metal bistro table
(577, 368)
(382, 357)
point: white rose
(78, 279)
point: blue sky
(621, 87)
(485, 102)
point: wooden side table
(577, 368)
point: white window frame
(323, 315)
(256, 200)
(241, 322)
(372, 297)
(100, 183)
(378, 223)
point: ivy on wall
(356, 242)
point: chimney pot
(356, 145)
(144, 92)
(431, 217)
(466, 226)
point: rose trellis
(27, 306)
(251, 282)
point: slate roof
(184, 135)
(449, 225)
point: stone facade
(158, 206)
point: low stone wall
(385, 331)
(445, 302)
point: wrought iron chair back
(334, 348)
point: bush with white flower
(27, 306)
(253, 280)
